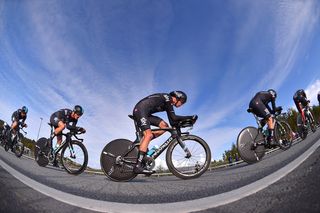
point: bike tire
(191, 167)
(245, 141)
(113, 170)
(312, 123)
(302, 131)
(41, 151)
(69, 163)
(283, 135)
(19, 149)
(6, 147)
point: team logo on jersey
(166, 97)
(143, 121)
(267, 111)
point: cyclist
(143, 115)
(18, 117)
(65, 118)
(260, 107)
(301, 101)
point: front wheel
(41, 151)
(118, 159)
(283, 135)
(312, 123)
(187, 166)
(74, 157)
(250, 144)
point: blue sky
(107, 55)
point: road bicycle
(73, 155)
(252, 142)
(13, 141)
(188, 156)
(309, 123)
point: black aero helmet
(78, 110)
(179, 95)
(273, 93)
(24, 109)
(302, 92)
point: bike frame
(65, 142)
(175, 135)
(260, 127)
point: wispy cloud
(71, 78)
(312, 91)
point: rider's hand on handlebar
(24, 125)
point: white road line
(185, 206)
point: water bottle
(152, 150)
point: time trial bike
(188, 156)
(252, 142)
(73, 155)
(13, 141)
(303, 128)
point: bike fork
(184, 147)
(72, 153)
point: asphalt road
(298, 191)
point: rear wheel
(112, 163)
(41, 152)
(74, 157)
(283, 135)
(247, 141)
(184, 166)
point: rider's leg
(158, 133)
(147, 137)
(270, 130)
(59, 129)
(302, 114)
(14, 127)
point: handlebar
(181, 124)
(74, 133)
(185, 123)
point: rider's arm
(273, 104)
(72, 127)
(173, 118)
(23, 121)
